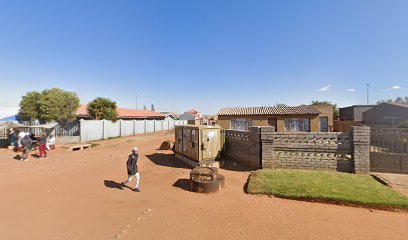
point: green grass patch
(340, 188)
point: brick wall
(243, 147)
(361, 149)
(262, 147)
(312, 151)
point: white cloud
(323, 89)
(395, 87)
(351, 89)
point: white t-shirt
(19, 137)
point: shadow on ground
(245, 188)
(113, 184)
(228, 164)
(183, 183)
(166, 160)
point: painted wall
(92, 130)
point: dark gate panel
(389, 150)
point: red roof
(125, 113)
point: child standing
(42, 145)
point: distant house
(354, 113)
(125, 114)
(386, 115)
(192, 117)
(305, 118)
(171, 115)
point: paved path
(396, 181)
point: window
(240, 124)
(297, 124)
(324, 124)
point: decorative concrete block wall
(306, 150)
(262, 147)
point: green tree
(327, 103)
(278, 104)
(58, 105)
(403, 124)
(50, 105)
(397, 99)
(102, 108)
(30, 107)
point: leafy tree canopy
(30, 107)
(398, 99)
(403, 124)
(102, 108)
(50, 105)
(327, 103)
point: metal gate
(389, 150)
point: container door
(210, 144)
(187, 142)
(195, 148)
(179, 140)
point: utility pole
(136, 102)
(368, 93)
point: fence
(92, 130)
(389, 150)
(264, 148)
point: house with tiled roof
(125, 114)
(304, 118)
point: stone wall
(262, 147)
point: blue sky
(205, 54)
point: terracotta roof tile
(125, 113)
(286, 110)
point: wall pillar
(361, 149)
(266, 147)
(121, 132)
(255, 154)
(105, 131)
(82, 137)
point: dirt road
(75, 195)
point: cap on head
(135, 150)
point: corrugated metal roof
(399, 104)
(285, 110)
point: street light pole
(368, 93)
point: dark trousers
(26, 151)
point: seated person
(51, 143)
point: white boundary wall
(92, 130)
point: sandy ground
(75, 195)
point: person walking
(42, 145)
(26, 145)
(132, 169)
